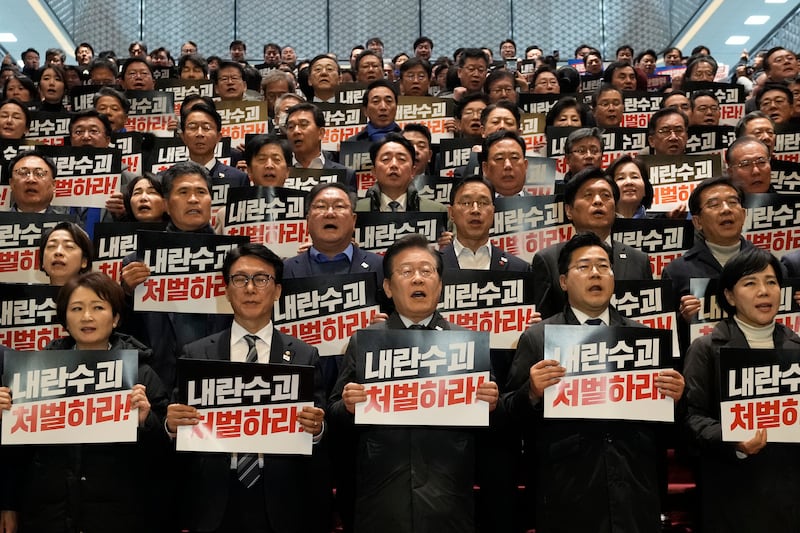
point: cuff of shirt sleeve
(171, 434)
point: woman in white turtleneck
(748, 486)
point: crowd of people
(579, 475)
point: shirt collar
(400, 199)
(319, 257)
(408, 322)
(238, 332)
(318, 162)
(582, 317)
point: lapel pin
(503, 260)
(623, 256)
(364, 265)
(287, 355)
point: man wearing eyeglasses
(589, 475)
(201, 130)
(777, 101)
(584, 148)
(749, 166)
(473, 64)
(667, 132)
(33, 183)
(415, 77)
(590, 198)
(331, 219)
(323, 78)
(472, 212)
(407, 478)
(284, 496)
(718, 214)
(704, 109)
(228, 81)
(137, 75)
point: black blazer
(291, 483)
(299, 266)
(628, 263)
(500, 260)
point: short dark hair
(624, 47)
(608, 73)
(22, 154)
(572, 185)
(695, 60)
(226, 64)
(694, 197)
(237, 42)
(22, 106)
(566, 102)
(319, 116)
(320, 57)
(374, 85)
(652, 126)
(29, 51)
(496, 137)
(770, 52)
(255, 250)
(140, 44)
(367, 53)
(669, 95)
(183, 168)
(393, 137)
(582, 239)
(775, 86)
(91, 113)
(648, 52)
(128, 194)
(312, 194)
(196, 59)
(407, 242)
(135, 59)
(421, 40)
(472, 53)
(419, 128)
(647, 199)
(504, 41)
(25, 81)
(752, 115)
(374, 40)
(497, 75)
(508, 105)
(110, 91)
(458, 185)
(202, 108)
(416, 62)
(255, 144)
(105, 287)
(748, 261)
(698, 94)
(271, 45)
(468, 99)
(78, 235)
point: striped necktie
(247, 465)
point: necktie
(252, 353)
(417, 326)
(247, 465)
(593, 322)
(394, 205)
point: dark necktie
(594, 322)
(247, 466)
(394, 205)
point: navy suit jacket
(237, 177)
(500, 260)
(628, 263)
(299, 266)
(289, 481)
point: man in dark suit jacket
(590, 198)
(398, 488)
(607, 469)
(287, 496)
(305, 126)
(331, 221)
(201, 130)
(472, 212)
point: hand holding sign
(179, 414)
(488, 392)
(139, 401)
(670, 382)
(5, 400)
(311, 419)
(754, 445)
(544, 374)
(353, 393)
